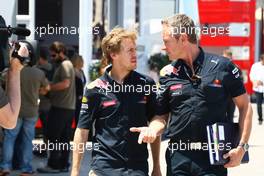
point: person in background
(257, 77)
(32, 81)
(61, 114)
(80, 82)
(44, 103)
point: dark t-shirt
(3, 98)
(64, 98)
(32, 79)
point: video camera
(5, 33)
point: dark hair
(261, 56)
(43, 54)
(58, 47)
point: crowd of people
(51, 89)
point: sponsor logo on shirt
(235, 70)
(109, 103)
(84, 99)
(84, 106)
(216, 83)
(169, 69)
(176, 87)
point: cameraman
(10, 104)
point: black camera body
(5, 33)
(23, 60)
(33, 50)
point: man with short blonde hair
(113, 113)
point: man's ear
(184, 38)
(113, 56)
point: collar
(199, 59)
(106, 76)
(197, 63)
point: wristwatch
(245, 146)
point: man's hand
(15, 64)
(235, 155)
(147, 135)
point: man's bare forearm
(155, 149)
(245, 116)
(14, 94)
(245, 123)
(158, 124)
(80, 139)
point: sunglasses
(53, 55)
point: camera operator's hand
(15, 63)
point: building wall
(70, 19)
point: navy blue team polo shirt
(112, 109)
(196, 101)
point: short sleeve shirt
(64, 98)
(113, 109)
(32, 79)
(3, 98)
(195, 103)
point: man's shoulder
(219, 58)
(66, 62)
(166, 70)
(95, 88)
(217, 61)
(97, 83)
(34, 71)
(172, 68)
